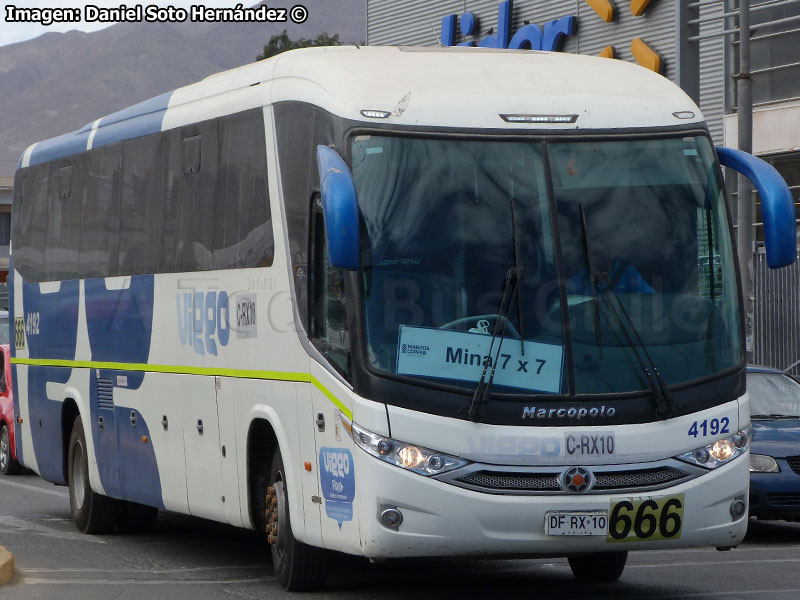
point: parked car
(8, 452)
(775, 448)
(5, 332)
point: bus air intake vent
(794, 462)
(512, 481)
(637, 479)
(105, 393)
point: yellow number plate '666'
(645, 519)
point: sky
(17, 32)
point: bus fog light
(391, 517)
(737, 508)
(722, 450)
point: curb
(6, 566)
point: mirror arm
(777, 204)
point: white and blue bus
(394, 302)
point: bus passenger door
(201, 441)
(334, 465)
(331, 337)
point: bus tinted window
(242, 232)
(64, 223)
(141, 202)
(135, 208)
(99, 244)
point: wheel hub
(277, 517)
(78, 473)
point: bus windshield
(624, 248)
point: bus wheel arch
(261, 445)
(69, 412)
(297, 566)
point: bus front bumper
(441, 519)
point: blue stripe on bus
(58, 147)
(126, 459)
(120, 321)
(52, 321)
(132, 122)
(135, 121)
(18, 431)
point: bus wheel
(92, 512)
(599, 567)
(297, 566)
(137, 518)
(8, 465)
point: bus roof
(464, 88)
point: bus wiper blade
(663, 399)
(657, 386)
(593, 278)
(515, 274)
(482, 390)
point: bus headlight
(407, 456)
(761, 463)
(720, 452)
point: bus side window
(329, 329)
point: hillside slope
(58, 82)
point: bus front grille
(637, 479)
(512, 481)
(542, 480)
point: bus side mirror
(777, 205)
(340, 209)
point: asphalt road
(186, 558)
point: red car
(8, 451)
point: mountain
(59, 82)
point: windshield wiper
(481, 395)
(484, 387)
(661, 394)
(659, 388)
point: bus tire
(297, 566)
(137, 518)
(92, 512)
(599, 567)
(8, 464)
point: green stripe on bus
(183, 370)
